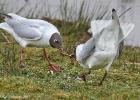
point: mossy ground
(35, 83)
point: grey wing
(28, 32)
(88, 49)
(125, 29)
(121, 43)
(96, 30)
(120, 49)
(96, 27)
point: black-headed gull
(101, 49)
(32, 32)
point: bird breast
(99, 59)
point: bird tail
(5, 15)
(6, 27)
(115, 15)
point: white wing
(28, 32)
(85, 50)
(78, 52)
(96, 29)
(27, 29)
(98, 25)
(32, 29)
(126, 28)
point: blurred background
(72, 10)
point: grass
(35, 83)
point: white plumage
(105, 41)
(29, 31)
(101, 49)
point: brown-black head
(56, 41)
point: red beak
(61, 50)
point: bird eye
(55, 40)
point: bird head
(56, 41)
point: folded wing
(28, 32)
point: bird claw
(54, 68)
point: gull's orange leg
(21, 59)
(51, 67)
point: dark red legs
(104, 77)
(51, 67)
(21, 59)
(84, 75)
